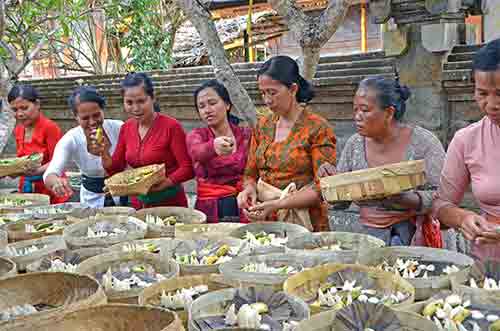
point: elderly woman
(473, 160)
(75, 147)
(149, 137)
(287, 146)
(219, 153)
(34, 134)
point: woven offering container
(4, 239)
(55, 292)
(17, 230)
(373, 183)
(61, 211)
(280, 229)
(208, 230)
(234, 275)
(153, 246)
(460, 282)
(117, 210)
(76, 234)
(7, 267)
(182, 215)
(31, 200)
(109, 317)
(99, 264)
(305, 284)
(65, 255)
(52, 243)
(151, 295)
(213, 307)
(440, 258)
(19, 165)
(120, 185)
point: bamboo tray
(373, 183)
(460, 282)
(159, 243)
(19, 165)
(61, 211)
(17, 231)
(117, 210)
(118, 184)
(32, 200)
(67, 256)
(208, 230)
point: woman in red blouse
(34, 134)
(146, 138)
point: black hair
(389, 93)
(26, 92)
(134, 79)
(85, 94)
(285, 70)
(222, 92)
(488, 57)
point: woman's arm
(199, 149)
(116, 162)
(184, 171)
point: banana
(98, 135)
(260, 307)
(223, 250)
(212, 259)
(495, 326)
(431, 308)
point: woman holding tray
(149, 137)
(75, 146)
(34, 134)
(287, 148)
(473, 159)
(219, 154)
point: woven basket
(7, 267)
(19, 165)
(76, 234)
(424, 287)
(460, 282)
(305, 284)
(67, 292)
(66, 256)
(3, 239)
(117, 184)
(212, 230)
(216, 304)
(183, 216)
(61, 211)
(280, 229)
(101, 263)
(373, 183)
(234, 275)
(17, 231)
(151, 295)
(110, 317)
(324, 321)
(160, 243)
(34, 200)
(54, 243)
(350, 243)
(119, 210)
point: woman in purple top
(219, 154)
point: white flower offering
(13, 252)
(158, 221)
(223, 254)
(264, 239)
(111, 281)
(44, 228)
(17, 311)
(149, 247)
(413, 269)
(486, 284)
(102, 234)
(265, 269)
(56, 265)
(182, 298)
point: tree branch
(294, 17)
(331, 18)
(2, 18)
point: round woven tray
(350, 243)
(7, 267)
(101, 263)
(63, 291)
(424, 287)
(3, 239)
(19, 165)
(76, 234)
(34, 200)
(183, 216)
(54, 243)
(151, 295)
(305, 284)
(66, 255)
(460, 282)
(117, 184)
(278, 228)
(373, 183)
(17, 232)
(160, 243)
(212, 230)
(119, 210)
(110, 317)
(61, 211)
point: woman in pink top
(473, 158)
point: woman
(74, 147)
(149, 137)
(219, 153)
(473, 159)
(287, 146)
(34, 134)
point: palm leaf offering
(19, 165)
(366, 316)
(135, 181)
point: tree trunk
(200, 17)
(309, 62)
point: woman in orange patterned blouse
(287, 146)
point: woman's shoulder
(470, 132)
(203, 132)
(49, 124)
(422, 136)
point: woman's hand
(472, 226)
(165, 183)
(224, 145)
(247, 198)
(61, 187)
(95, 147)
(327, 169)
(405, 200)
(262, 211)
(35, 171)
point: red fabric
(44, 138)
(165, 142)
(432, 232)
(208, 191)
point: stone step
(465, 48)
(459, 65)
(460, 57)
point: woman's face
(213, 110)
(89, 116)
(487, 93)
(27, 112)
(138, 104)
(370, 120)
(277, 96)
